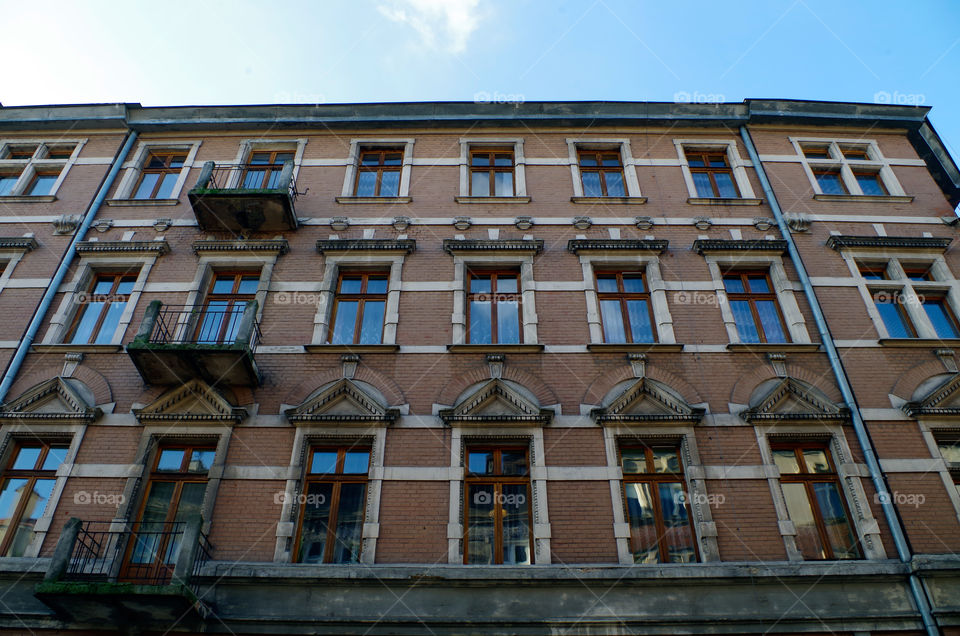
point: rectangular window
(491, 172)
(754, 306)
(33, 169)
(159, 175)
(25, 489)
(830, 181)
(816, 152)
(625, 308)
(358, 308)
(940, 315)
(378, 174)
(950, 450)
(493, 307)
(333, 505)
(858, 153)
(811, 490)
(263, 170)
(21, 153)
(870, 183)
(224, 305)
(712, 174)
(498, 524)
(42, 183)
(601, 172)
(889, 304)
(873, 272)
(101, 309)
(7, 181)
(657, 510)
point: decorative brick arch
(97, 384)
(481, 373)
(604, 383)
(746, 384)
(913, 377)
(390, 390)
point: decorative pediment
(496, 402)
(792, 400)
(195, 401)
(343, 402)
(942, 401)
(53, 400)
(647, 401)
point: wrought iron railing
(250, 176)
(183, 324)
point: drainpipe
(65, 263)
(863, 436)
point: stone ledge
(639, 245)
(359, 348)
(495, 348)
(732, 245)
(838, 241)
(243, 245)
(18, 243)
(634, 347)
(130, 203)
(349, 200)
(492, 199)
(863, 198)
(609, 200)
(773, 347)
(722, 201)
(123, 247)
(492, 245)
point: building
(479, 368)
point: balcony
(176, 344)
(245, 198)
(125, 575)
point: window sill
(492, 199)
(47, 198)
(495, 348)
(358, 348)
(373, 199)
(76, 348)
(723, 201)
(634, 347)
(863, 198)
(764, 347)
(920, 342)
(610, 200)
(129, 203)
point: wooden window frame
(623, 296)
(653, 477)
(494, 319)
(868, 268)
(336, 480)
(816, 149)
(268, 168)
(940, 298)
(361, 298)
(493, 169)
(830, 171)
(751, 297)
(861, 153)
(808, 479)
(28, 191)
(896, 299)
(109, 300)
(31, 475)
(169, 156)
(379, 168)
(232, 298)
(601, 169)
(712, 171)
(497, 480)
(872, 173)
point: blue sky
(240, 51)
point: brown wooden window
(332, 505)
(25, 490)
(491, 172)
(918, 272)
(816, 152)
(857, 153)
(830, 181)
(712, 175)
(754, 305)
(815, 502)
(870, 183)
(873, 271)
(497, 515)
(941, 316)
(59, 152)
(42, 183)
(159, 175)
(378, 174)
(950, 451)
(263, 170)
(101, 308)
(8, 179)
(493, 307)
(359, 307)
(890, 305)
(20, 152)
(657, 505)
(223, 308)
(601, 172)
(174, 496)
(625, 307)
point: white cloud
(441, 24)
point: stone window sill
(634, 347)
(863, 198)
(381, 200)
(129, 203)
(609, 200)
(722, 201)
(359, 348)
(47, 198)
(495, 348)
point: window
(224, 306)
(890, 305)
(358, 309)
(870, 183)
(830, 181)
(491, 172)
(950, 451)
(493, 302)
(159, 175)
(656, 501)
(601, 172)
(27, 484)
(845, 168)
(712, 174)
(816, 152)
(940, 315)
(263, 169)
(811, 490)
(332, 509)
(497, 514)
(754, 306)
(32, 169)
(101, 309)
(379, 173)
(625, 307)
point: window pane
(480, 325)
(349, 531)
(770, 321)
(42, 184)
(744, 320)
(248, 285)
(607, 283)
(212, 321)
(27, 458)
(36, 504)
(503, 182)
(611, 160)
(345, 322)
(950, 451)
(390, 184)
(166, 187)
(839, 533)
(393, 159)
(702, 182)
(480, 285)
(503, 159)
(758, 284)
(640, 327)
(633, 284)
(516, 524)
(816, 460)
(260, 158)
(614, 184)
(786, 461)
(798, 507)
(147, 183)
(84, 330)
(6, 184)
(481, 160)
(612, 316)
(633, 461)
(717, 161)
(506, 284)
(125, 286)
(55, 456)
(480, 184)
(480, 529)
(591, 184)
(643, 527)
(201, 460)
(377, 285)
(356, 462)
(366, 184)
(588, 160)
(830, 183)
(9, 500)
(480, 462)
(147, 543)
(892, 318)
(677, 532)
(725, 184)
(665, 460)
(514, 462)
(733, 284)
(324, 462)
(254, 179)
(110, 322)
(941, 321)
(170, 459)
(188, 507)
(233, 322)
(870, 184)
(508, 322)
(370, 159)
(351, 284)
(371, 327)
(316, 516)
(695, 162)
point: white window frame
(738, 165)
(876, 162)
(358, 145)
(467, 144)
(620, 144)
(134, 167)
(463, 261)
(28, 167)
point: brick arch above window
(481, 373)
(748, 383)
(604, 384)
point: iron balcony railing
(224, 324)
(248, 176)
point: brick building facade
(459, 368)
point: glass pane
(941, 321)
(816, 460)
(84, 330)
(147, 183)
(643, 527)
(508, 321)
(666, 460)
(366, 184)
(696, 162)
(892, 318)
(356, 462)
(27, 458)
(254, 179)
(839, 533)
(717, 161)
(393, 159)
(677, 532)
(345, 322)
(125, 286)
(606, 283)
(248, 285)
(351, 284)
(55, 456)
(870, 184)
(614, 182)
(591, 184)
(633, 284)
(42, 184)
(377, 285)
(170, 459)
(798, 507)
(514, 504)
(201, 460)
(480, 462)
(481, 535)
(816, 153)
(148, 538)
(324, 462)
(480, 285)
(36, 504)
(390, 184)
(212, 321)
(770, 321)
(640, 327)
(702, 182)
(611, 160)
(514, 462)
(949, 450)
(110, 322)
(733, 284)
(744, 319)
(166, 186)
(316, 516)
(588, 160)
(480, 322)
(503, 184)
(480, 160)
(371, 327)
(223, 285)
(178, 161)
(830, 183)
(349, 531)
(758, 284)
(633, 460)
(786, 461)
(503, 159)
(725, 185)
(370, 159)
(506, 284)
(6, 184)
(233, 322)
(188, 508)
(9, 500)
(480, 184)
(260, 158)
(612, 317)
